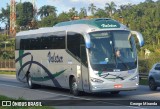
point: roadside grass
(4, 98)
(7, 72)
(143, 82)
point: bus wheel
(115, 92)
(74, 87)
(152, 84)
(29, 81)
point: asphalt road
(10, 87)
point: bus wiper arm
(117, 76)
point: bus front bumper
(113, 87)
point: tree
(3, 38)
(48, 21)
(47, 10)
(3, 52)
(43, 12)
(63, 17)
(51, 10)
(110, 7)
(129, 6)
(122, 7)
(92, 8)
(72, 12)
(83, 12)
(101, 13)
(24, 13)
(148, 1)
(5, 16)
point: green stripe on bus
(47, 77)
(20, 54)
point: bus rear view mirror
(88, 42)
(139, 37)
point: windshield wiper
(117, 76)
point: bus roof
(109, 23)
(83, 25)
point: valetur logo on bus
(108, 26)
(54, 58)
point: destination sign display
(107, 24)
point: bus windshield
(113, 50)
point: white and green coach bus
(96, 55)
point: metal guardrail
(143, 76)
(7, 63)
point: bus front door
(84, 69)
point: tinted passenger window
(76, 45)
(25, 44)
(54, 40)
(45, 43)
(73, 43)
(57, 40)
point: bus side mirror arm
(87, 41)
(139, 37)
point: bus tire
(30, 83)
(74, 87)
(115, 92)
(152, 84)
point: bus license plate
(118, 86)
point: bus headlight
(96, 80)
(134, 78)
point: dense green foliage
(4, 15)
(24, 13)
(143, 17)
(6, 47)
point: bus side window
(44, 42)
(73, 43)
(32, 44)
(38, 43)
(83, 52)
(56, 40)
(22, 44)
(59, 41)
